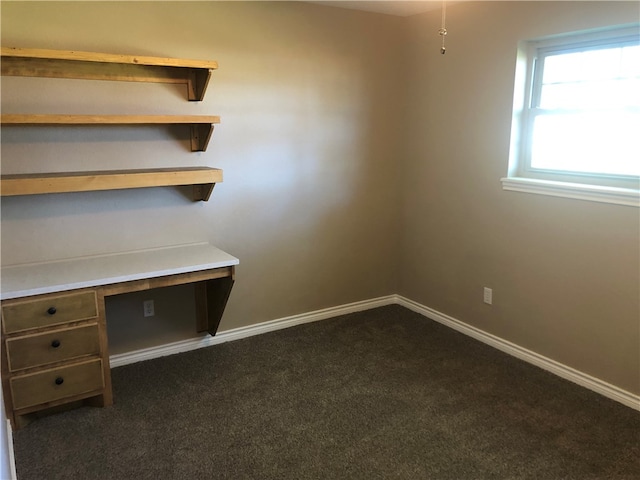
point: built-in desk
(54, 335)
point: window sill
(592, 193)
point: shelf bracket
(211, 300)
(197, 84)
(202, 192)
(200, 136)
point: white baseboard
(603, 388)
(12, 455)
(564, 371)
(244, 332)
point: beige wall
(307, 144)
(564, 273)
(358, 162)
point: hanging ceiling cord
(443, 30)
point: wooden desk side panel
(6, 386)
(106, 399)
(211, 300)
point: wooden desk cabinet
(54, 336)
(55, 352)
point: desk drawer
(43, 348)
(57, 383)
(50, 310)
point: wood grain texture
(52, 120)
(105, 398)
(106, 58)
(20, 315)
(41, 183)
(201, 126)
(41, 387)
(34, 350)
(165, 281)
(194, 74)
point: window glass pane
(562, 68)
(601, 64)
(631, 61)
(600, 94)
(601, 78)
(604, 143)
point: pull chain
(443, 29)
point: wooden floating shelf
(26, 62)
(203, 180)
(201, 125)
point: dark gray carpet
(374, 395)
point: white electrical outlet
(148, 307)
(488, 296)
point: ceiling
(401, 8)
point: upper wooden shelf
(201, 125)
(25, 62)
(203, 180)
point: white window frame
(621, 190)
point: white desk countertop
(24, 280)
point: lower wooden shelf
(203, 180)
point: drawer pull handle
(59, 381)
(52, 311)
(55, 343)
